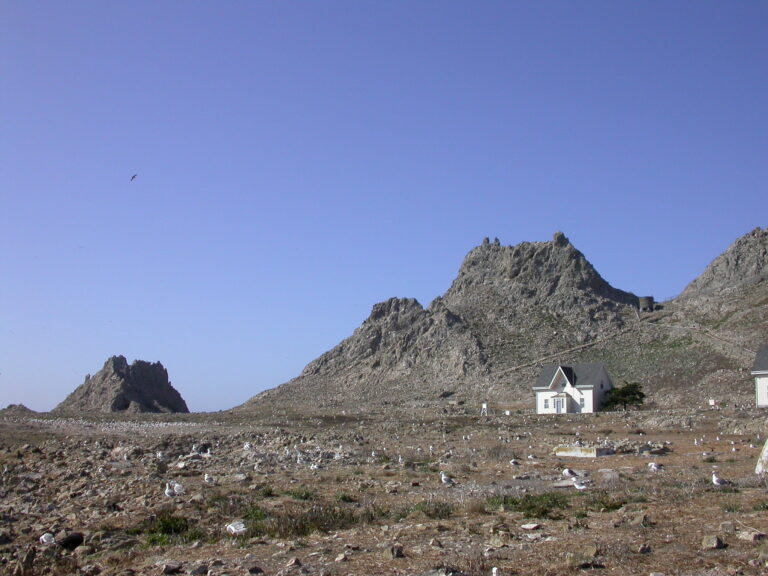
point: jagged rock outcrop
(745, 261)
(120, 387)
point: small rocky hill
(17, 410)
(120, 387)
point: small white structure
(572, 389)
(760, 372)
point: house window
(546, 404)
(581, 402)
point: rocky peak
(120, 387)
(553, 274)
(745, 261)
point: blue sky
(300, 161)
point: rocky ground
(343, 495)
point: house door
(558, 405)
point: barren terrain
(357, 495)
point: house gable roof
(761, 360)
(579, 375)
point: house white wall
(542, 399)
(545, 400)
(761, 390)
(588, 394)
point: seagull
(654, 467)
(170, 492)
(447, 480)
(177, 488)
(514, 462)
(568, 473)
(236, 528)
(579, 485)
(133, 177)
(47, 538)
(717, 481)
(209, 479)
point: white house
(571, 389)
(760, 372)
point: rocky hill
(120, 387)
(512, 309)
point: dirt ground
(347, 495)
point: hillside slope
(513, 308)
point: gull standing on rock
(170, 492)
(445, 479)
(209, 479)
(568, 473)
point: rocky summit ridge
(120, 387)
(512, 309)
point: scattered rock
(584, 557)
(71, 540)
(711, 542)
(530, 526)
(396, 551)
(171, 567)
(727, 527)
(751, 536)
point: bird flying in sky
(133, 177)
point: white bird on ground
(236, 528)
(717, 481)
(447, 480)
(654, 467)
(178, 488)
(47, 539)
(514, 462)
(494, 571)
(170, 492)
(209, 479)
(568, 473)
(579, 485)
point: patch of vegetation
(544, 505)
(167, 529)
(435, 509)
(301, 494)
(267, 492)
(347, 498)
(760, 507)
(630, 394)
(295, 522)
(710, 459)
(602, 502)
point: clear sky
(298, 162)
